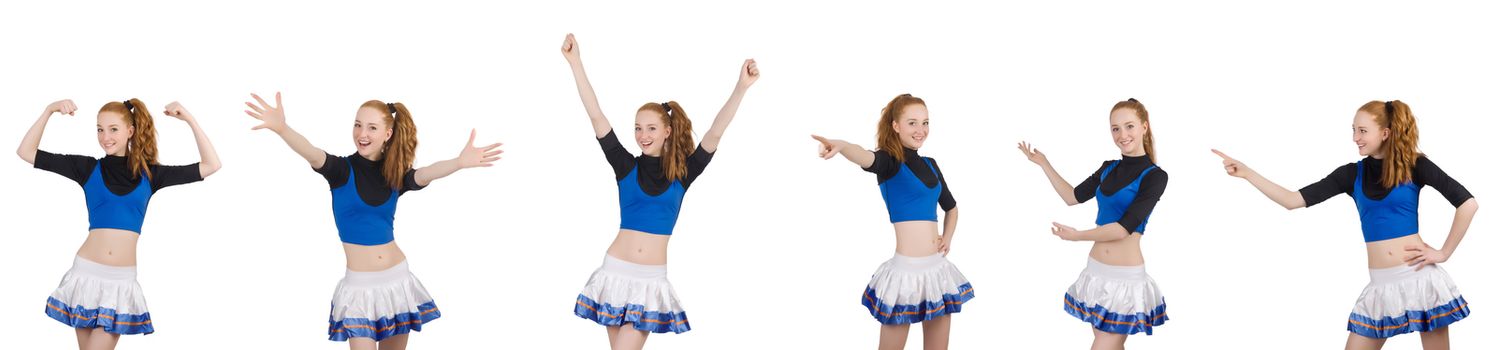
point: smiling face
(650, 132)
(913, 125)
(370, 132)
(1128, 132)
(1368, 134)
(113, 133)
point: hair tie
(667, 107)
(1130, 99)
(1389, 105)
(391, 107)
(129, 106)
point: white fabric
(618, 283)
(1397, 290)
(904, 280)
(1123, 290)
(379, 294)
(93, 285)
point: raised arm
(747, 75)
(854, 153)
(274, 118)
(469, 157)
(33, 138)
(1064, 189)
(1288, 199)
(573, 54)
(208, 157)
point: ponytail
(1143, 117)
(140, 152)
(1401, 152)
(679, 144)
(888, 140)
(400, 150)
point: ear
(1146, 127)
(667, 131)
(388, 133)
(1386, 132)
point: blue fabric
(1112, 322)
(106, 318)
(642, 212)
(907, 198)
(1394, 216)
(107, 210)
(618, 315)
(1110, 209)
(1411, 321)
(358, 222)
(914, 313)
(383, 327)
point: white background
(775, 245)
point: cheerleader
(378, 300)
(1113, 294)
(99, 297)
(917, 285)
(629, 294)
(1409, 292)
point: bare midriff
(916, 238)
(113, 247)
(1123, 252)
(370, 258)
(1390, 252)
(639, 247)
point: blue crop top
(1386, 213)
(115, 199)
(363, 202)
(913, 188)
(1126, 190)
(648, 202)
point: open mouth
(646, 143)
(364, 144)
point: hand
(829, 148)
(1424, 255)
(62, 106)
(273, 118)
(1065, 232)
(176, 110)
(477, 156)
(1033, 154)
(748, 74)
(1233, 167)
(569, 49)
(945, 245)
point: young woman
(917, 285)
(99, 296)
(1114, 294)
(378, 300)
(630, 294)
(1409, 292)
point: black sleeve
(335, 170)
(1149, 192)
(164, 176)
(696, 163)
(884, 165)
(1339, 181)
(1088, 188)
(408, 183)
(73, 167)
(1426, 172)
(947, 201)
(618, 157)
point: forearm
(724, 117)
(1105, 233)
(298, 143)
(1463, 216)
(590, 101)
(857, 154)
(33, 138)
(207, 155)
(1288, 199)
(429, 173)
(948, 229)
(1062, 188)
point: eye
(114, 129)
(1114, 129)
(1130, 126)
(101, 130)
(637, 128)
(925, 123)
